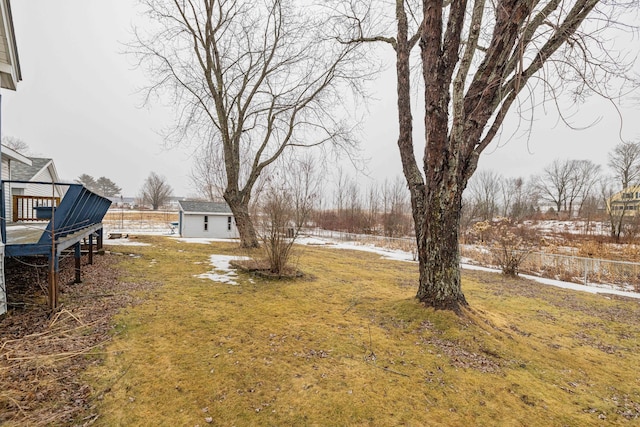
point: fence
(622, 274)
(130, 221)
(401, 243)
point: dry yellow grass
(349, 345)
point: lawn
(349, 345)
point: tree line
(565, 188)
(155, 191)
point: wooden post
(53, 282)
(91, 249)
(99, 243)
(78, 257)
(53, 261)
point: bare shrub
(279, 229)
(509, 242)
(287, 203)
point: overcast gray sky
(78, 104)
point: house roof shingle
(204, 207)
(23, 172)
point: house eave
(14, 155)
(10, 73)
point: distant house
(626, 201)
(121, 202)
(206, 219)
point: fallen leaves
(42, 354)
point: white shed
(206, 219)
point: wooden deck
(25, 234)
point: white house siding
(5, 168)
(39, 189)
(217, 226)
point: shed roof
(23, 172)
(204, 207)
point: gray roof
(22, 172)
(204, 207)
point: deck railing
(31, 208)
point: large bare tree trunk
(239, 205)
(438, 252)
(436, 205)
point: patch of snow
(309, 240)
(393, 254)
(571, 227)
(222, 271)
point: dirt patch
(262, 269)
(43, 353)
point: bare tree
(16, 144)
(395, 218)
(484, 191)
(566, 183)
(553, 183)
(586, 176)
(253, 79)
(373, 208)
(353, 212)
(624, 160)
(305, 184)
(339, 194)
(516, 198)
(617, 210)
(476, 58)
(207, 173)
(155, 191)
